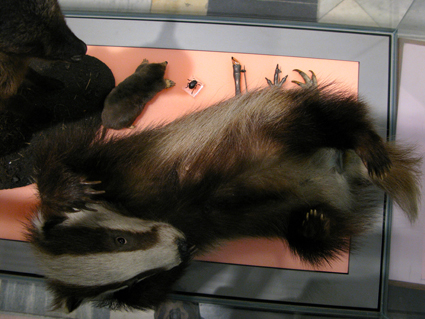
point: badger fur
(119, 218)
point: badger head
(100, 255)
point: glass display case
(358, 50)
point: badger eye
(121, 240)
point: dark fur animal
(118, 217)
(125, 102)
(32, 29)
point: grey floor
(26, 297)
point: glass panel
(378, 13)
(403, 14)
(369, 52)
(413, 24)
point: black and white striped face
(101, 248)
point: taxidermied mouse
(125, 102)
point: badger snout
(173, 241)
(186, 251)
(100, 247)
(182, 246)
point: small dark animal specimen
(32, 29)
(192, 84)
(237, 70)
(307, 81)
(125, 103)
(237, 75)
(303, 165)
(276, 79)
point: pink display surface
(215, 71)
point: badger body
(125, 102)
(303, 165)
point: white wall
(407, 241)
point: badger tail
(402, 181)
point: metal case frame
(363, 288)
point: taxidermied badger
(119, 218)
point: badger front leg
(61, 187)
(71, 192)
(322, 117)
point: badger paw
(309, 83)
(314, 236)
(374, 155)
(276, 79)
(88, 190)
(315, 225)
(80, 195)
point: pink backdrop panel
(215, 70)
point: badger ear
(63, 298)
(72, 303)
(68, 304)
(52, 222)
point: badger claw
(94, 192)
(89, 208)
(315, 224)
(374, 156)
(90, 191)
(376, 172)
(84, 182)
(193, 250)
(82, 196)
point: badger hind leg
(321, 116)
(317, 235)
(372, 151)
(402, 182)
(315, 224)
